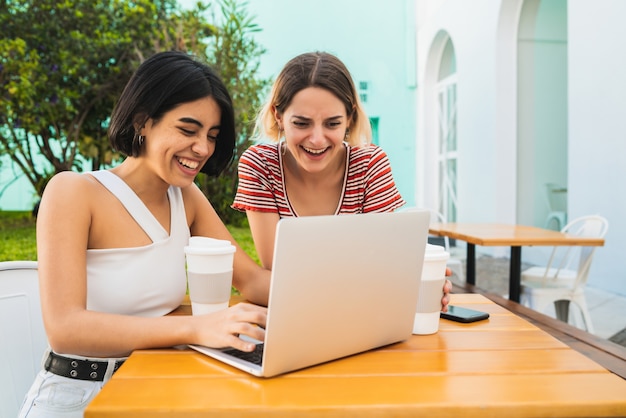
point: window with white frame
(447, 117)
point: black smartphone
(463, 314)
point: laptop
(340, 285)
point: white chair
(455, 264)
(22, 337)
(543, 286)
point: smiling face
(181, 142)
(315, 124)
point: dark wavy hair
(161, 83)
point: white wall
(475, 46)
(597, 109)
(484, 34)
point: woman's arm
(63, 233)
(259, 174)
(248, 277)
(263, 228)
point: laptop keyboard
(255, 356)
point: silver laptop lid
(342, 285)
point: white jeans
(53, 396)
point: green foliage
(243, 236)
(63, 63)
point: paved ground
(492, 274)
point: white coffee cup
(431, 290)
(209, 273)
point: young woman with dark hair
(111, 243)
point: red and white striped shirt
(367, 187)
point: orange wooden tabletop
(503, 366)
(488, 234)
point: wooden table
(502, 367)
(500, 235)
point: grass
(19, 242)
(243, 236)
(18, 236)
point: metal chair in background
(556, 197)
(542, 286)
(22, 335)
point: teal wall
(16, 192)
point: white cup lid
(206, 245)
(436, 252)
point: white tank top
(142, 281)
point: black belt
(78, 369)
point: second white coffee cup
(431, 290)
(209, 273)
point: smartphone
(463, 314)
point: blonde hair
(315, 69)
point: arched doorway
(542, 138)
(447, 139)
(440, 158)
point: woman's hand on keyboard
(222, 329)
